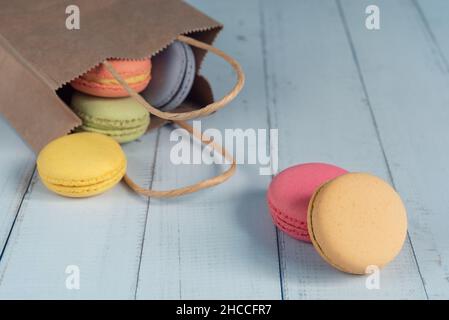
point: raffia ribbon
(178, 118)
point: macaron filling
(121, 131)
(80, 188)
(294, 224)
(120, 135)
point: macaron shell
(357, 220)
(290, 191)
(101, 83)
(81, 164)
(107, 91)
(126, 68)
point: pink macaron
(289, 194)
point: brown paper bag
(39, 56)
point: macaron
(357, 221)
(81, 164)
(122, 119)
(173, 75)
(289, 194)
(100, 82)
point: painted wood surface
(221, 243)
(101, 236)
(17, 167)
(371, 101)
(409, 89)
(319, 105)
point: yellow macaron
(81, 164)
(357, 221)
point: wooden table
(375, 101)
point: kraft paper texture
(39, 55)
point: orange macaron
(357, 221)
(101, 83)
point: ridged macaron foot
(356, 222)
(81, 164)
(100, 82)
(123, 119)
(289, 194)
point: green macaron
(123, 119)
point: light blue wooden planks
(17, 166)
(434, 18)
(408, 87)
(219, 243)
(102, 236)
(318, 103)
